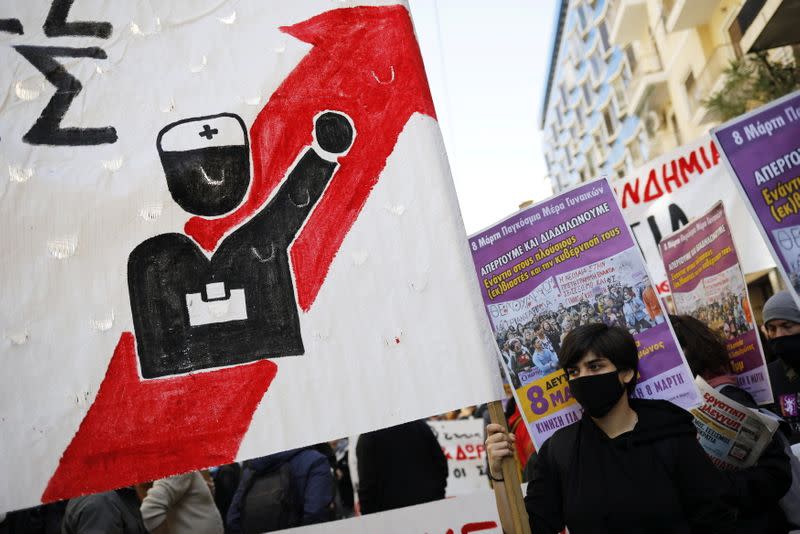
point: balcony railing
(708, 81)
(648, 79)
(647, 62)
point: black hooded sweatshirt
(653, 479)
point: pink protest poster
(706, 280)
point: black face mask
(787, 348)
(597, 393)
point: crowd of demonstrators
(590, 474)
(729, 316)
(398, 466)
(530, 348)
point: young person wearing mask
(629, 465)
(757, 491)
(782, 328)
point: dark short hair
(704, 349)
(612, 342)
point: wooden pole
(511, 481)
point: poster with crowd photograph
(762, 151)
(565, 262)
(707, 283)
(214, 242)
(667, 192)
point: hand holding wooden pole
(511, 482)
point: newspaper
(733, 435)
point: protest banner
(762, 151)
(567, 261)
(674, 188)
(462, 443)
(217, 252)
(733, 435)
(707, 283)
(464, 514)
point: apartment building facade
(628, 78)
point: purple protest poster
(707, 283)
(762, 149)
(567, 261)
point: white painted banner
(669, 191)
(227, 230)
(476, 512)
(463, 444)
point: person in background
(757, 490)
(543, 358)
(629, 465)
(181, 504)
(782, 329)
(42, 519)
(226, 480)
(304, 498)
(341, 474)
(651, 304)
(400, 466)
(521, 360)
(112, 512)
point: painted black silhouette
(192, 312)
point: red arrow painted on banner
(364, 62)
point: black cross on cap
(208, 132)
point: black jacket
(653, 479)
(756, 490)
(112, 512)
(400, 466)
(312, 484)
(786, 391)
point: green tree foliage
(751, 81)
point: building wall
(645, 84)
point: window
(604, 35)
(619, 89)
(636, 153)
(675, 128)
(690, 85)
(735, 33)
(596, 66)
(631, 57)
(608, 122)
(582, 16)
(590, 164)
(691, 92)
(586, 93)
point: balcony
(628, 20)
(707, 83)
(685, 14)
(659, 138)
(765, 24)
(648, 82)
